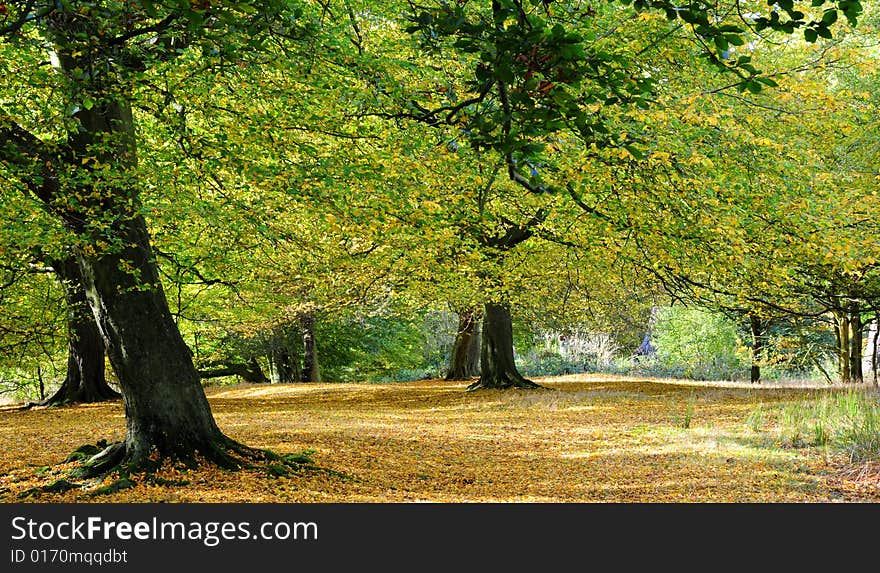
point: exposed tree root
(117, 486)
(505, 382)
(100, 461)
(66, 398)
(57, 486)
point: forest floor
(589, 439)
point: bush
(696, 344)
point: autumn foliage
(586, 439)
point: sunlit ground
(586, 440)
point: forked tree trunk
(85, 380)
(465, 358)
(497, 364)
(310, 369)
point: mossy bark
(166, 409)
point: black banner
(238, 537)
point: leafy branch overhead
(539, 68)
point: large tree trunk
(464, 362)
(85, 380)
(757, 329)
(855, 344)
(166, 410)
(310, 370)
(90, 183)
(165, 405)
(497, 364)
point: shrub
(693, 343)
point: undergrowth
(846, 422)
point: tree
(464, 360)
(523, 83)
(85, 380)
(81, 164)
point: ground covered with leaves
(586, 439)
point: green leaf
(88, 103)
(810, 35)
(635, 152)
(830, 17)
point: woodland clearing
(587, 439)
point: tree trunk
(875, 347)
(284, 355)
(855, 346)
(90, 183)
(497, 364)
(464, 361)
(474, 348)
(310, 370)
(757, 330)
(841, 332)
(286, 370)
(166, 409)
(165, 405)
(85, 380)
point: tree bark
(310, 369)
(85, 380)
(841, 332)
(757, 330)
(167, 412)
(464, 361)
(855, 346)
(497, 364)
(165, 405)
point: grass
(590, 440)
(848, 422)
